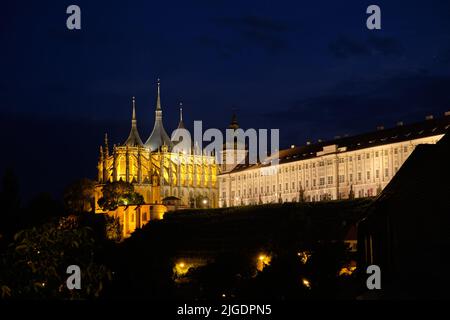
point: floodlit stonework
(157, 172)
(358, 166)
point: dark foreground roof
(380, 137)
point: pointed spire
(106, 145)
(133, 139)
(181, 123)
(234, 124)
(158, 98)
(134, 110)
(159, 136)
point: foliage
(119, 193)
(34, 265)
(113, 229)
(79, 196)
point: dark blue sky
(310, 68)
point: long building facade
(156, 170)
(348, 167)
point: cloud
(344, 47)
(246, 32)
(255, 23)
(358, 106)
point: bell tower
(233, 149)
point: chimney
(429, 117)
(400, 123)
(447, 113)
(379, 128)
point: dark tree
(119, 193)
(79, 196)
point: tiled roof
(380, 137)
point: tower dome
(159, 136)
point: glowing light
(348, 269)
(263, 261)
(306, 283)
(304, 256)
(205, 201)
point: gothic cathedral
(156, 170)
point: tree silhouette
(79, 196)
(119, 193)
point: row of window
(319, 164)
(322, 182)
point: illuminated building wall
(361, 165)
(155, 171)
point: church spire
(234, 124)
(181, 123)
(158, 98)
(133, 139)
(106, 145)
(133, 119)
(159, 136)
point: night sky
(310, 68)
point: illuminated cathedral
(156, 169)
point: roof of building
(159, 136)
(399, 133)
(134, 140)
